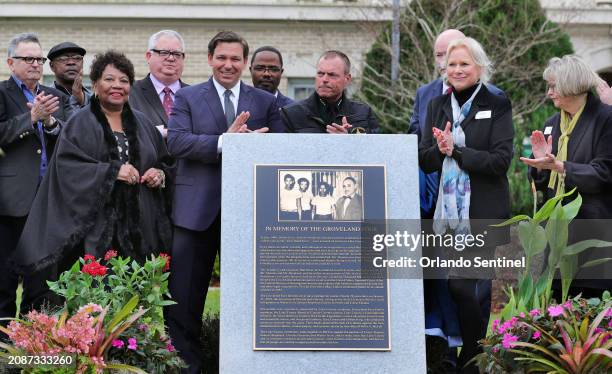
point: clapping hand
(43, 107)
(239, 124)
(444, 139)
(541, 148)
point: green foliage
(534, 239)
(574, 337)
(519, 47)
(126, 278)
(210, 343)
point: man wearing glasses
(31, 117)
(66, 62)
(266, 71)
(154, 95)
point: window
(300, 88)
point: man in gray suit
(154, 95)
(31, 117)
(349, 207)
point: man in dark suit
(328, 109)
(155, 94)
(201, 115)
(30, 121)
(266, 71)
(349, 207)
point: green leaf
(579, 247)
(123, 313)
(556, 233)
(124, 367)
(519, 218)
(532, 237)
(546, 210)
(584, 329)
(571, 209)
(599, 261)
(568, 267)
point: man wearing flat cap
(66, 62)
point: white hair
(571, 75)
(26, 37)
(478, 55)
(169, 33)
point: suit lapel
(577, 134)
(447, 108)
(17, 95)
(244, 101)
(211, 98)
(150, 94)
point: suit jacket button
(20, 136)
(38, 151)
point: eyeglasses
(165, 53)
(30, 60)
(64, 59)
(263, 68)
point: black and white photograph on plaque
(320, 195)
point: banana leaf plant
(549, 227)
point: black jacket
(19, 139)
(589, 160)
(303, 116)
(487, 153)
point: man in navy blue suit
(266, 72)
(200, 116)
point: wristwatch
(51, 124)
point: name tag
(483, 114)
(548, 130)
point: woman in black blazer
(574, 151)
(468, 140)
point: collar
(276, 93)
(20, 84)
(326, 104)
(159, 86)
(61, 88)
(221, 90)
(444, 86)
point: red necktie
(448, 91)
(167, 103)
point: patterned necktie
(167, 103)
(230, 113)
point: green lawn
(212, 301)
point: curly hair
(111, 57)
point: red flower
(167, 257)
(111, 253)
(94, 269)
(89, 258)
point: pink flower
(111, 253)
(508, 325)
(534, 312)
(118, 343)
(555, 311)
(143, 327)
(88, 258)
(170, 347)
(536, 335)
(495, 325)
(94, 269)
(495, 349)
(568, 305)
(610, 324)
(509, 340)
(167, 257)
(608, 312)
(132, 344)
(522, 315)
